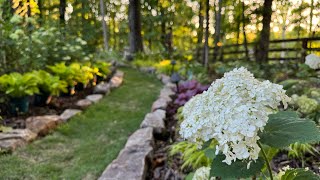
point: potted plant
(49, 86)
(18, 87)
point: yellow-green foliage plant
(50, 84)
(18, 85)
(66, 73)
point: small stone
(155, 120)
(119, 74)
(83, 103)
(16, 138)
(94, 97)
(69, 113)
(165, 79)
(102, 88)
(141, 137)
(42, 125)
(166, 94)
(160, 103)
(116, 81)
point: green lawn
(83, 147)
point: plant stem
(266, 160)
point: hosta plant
(241, 114)
(50, 84)
(19, 85)
(66, 73)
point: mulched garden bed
(56, 106)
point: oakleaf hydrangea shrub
(234, 112)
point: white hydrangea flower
(202, 173)
(232, 111)
(313, 61)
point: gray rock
(69, 113)
(102, 88)
(141, 137)
(116, 81)
(155, 120)
(119, 74)
(42, 125)
(166, 94)
(132, 161)
(160, 103)
(83, 103)
(131, 164)
(165, 79)
(94, 97)
(171, 86)
(16, 138)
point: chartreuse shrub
(50, 84)
(240, 114)
(18, 85)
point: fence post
(304, 50)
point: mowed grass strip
(83, 147)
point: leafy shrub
(17, 85)
(50, 84)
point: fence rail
(294, 49)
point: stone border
(134, 159)
(38, 126)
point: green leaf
(210, 153)
(237, 169)
(206, 144)
(285, 128)
(299, 174)
(189, 176)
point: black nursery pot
(79, 87)
(71, 91)
(19, 105)
(41, 99)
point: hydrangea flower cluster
(313, 61)
(306, 105)
(202, 173)
(232, 111)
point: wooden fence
(279, 50)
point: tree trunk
(263, 44)
(217, 31)
(62, 10)
(200, 30)
(104, 26)
(206, 43)
(245, 43)
(163, 27)
(40, 5)
(135, 37)
(311, 17)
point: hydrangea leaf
(285, 128)
(189, 176)
(237, 169)
(299, 174)
(210, 153)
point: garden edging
(38, 126)
(134, 159)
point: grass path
(83, 147)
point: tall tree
(62, 11)
(263, 44)
(200, 29)
(104, 25)
(135, 37)
(245, 43)
(206, 44)
(217, 31)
